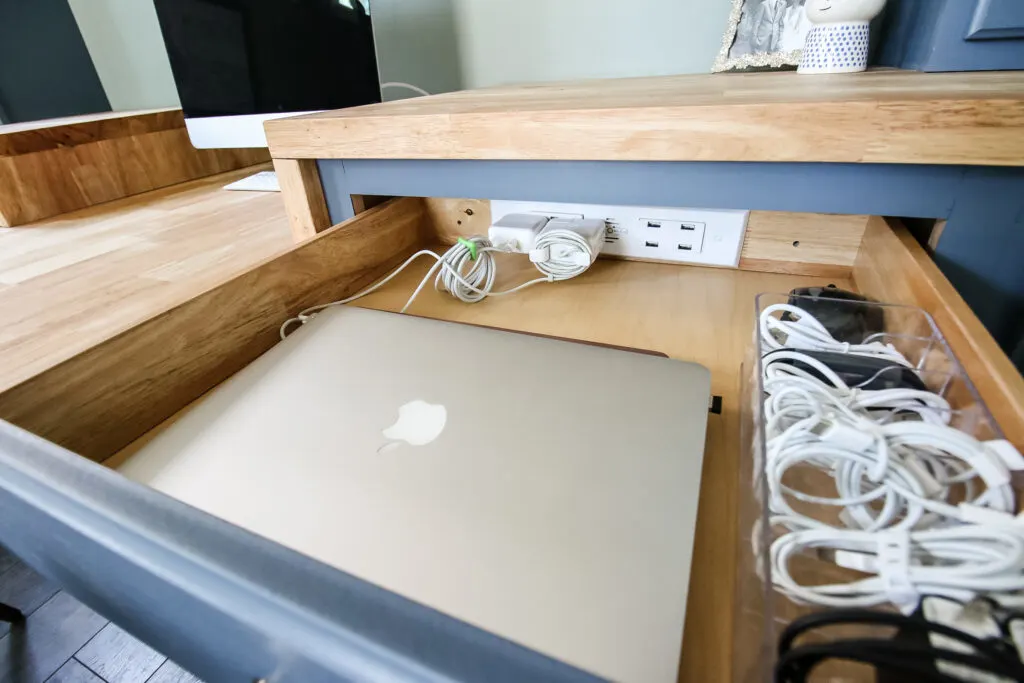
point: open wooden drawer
(231, 605)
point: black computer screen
(234, 57)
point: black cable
(808, 622)
(797, 665)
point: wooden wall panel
(53, 167)
(824, 245)
(102, 399)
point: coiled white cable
(955, 562)
(565, 254)
(405, 86)
(900, 472)
(797, 393)
(467, 271)
(898, 489)
(806, 332)
(910, 466)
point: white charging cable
(562, 254)
(467, 270)
(911, 465)
(795, 393)
(956, 562)
(914, 484)
(923, 506)
(804, 331)
(405, 86)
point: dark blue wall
(45, 68)
(932, 35)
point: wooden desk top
(70, 131)
(884, 116)
(71, 282)
(55, 166)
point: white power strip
(698, 236)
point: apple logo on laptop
(418, 424)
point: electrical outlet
(700, 236)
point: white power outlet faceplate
(701, 236)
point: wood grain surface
(71, 131)
(825, 245)
(118, 657)
(50, 636)
(893, 267)
(74, 672)
(172, 673)
(303, 196)
(802, 243)
(884, 116)
(60, 633)
(71, 282)
(24, 590)
(99, 401)
(53, 167)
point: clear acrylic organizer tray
(760, 612)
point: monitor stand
(264, 181)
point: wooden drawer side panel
(102, 399)
(893, 267)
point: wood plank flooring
(70, 282)
(63, 641)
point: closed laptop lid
(543, 490)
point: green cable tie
(469, 245)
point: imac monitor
(237, 63)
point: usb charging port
(685, 247)
(653, 224)
(650, 244)
(688, 226)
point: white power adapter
(591, 230)
(516, 232)
(566, 248)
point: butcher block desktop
(60, 165)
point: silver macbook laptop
(544, 490)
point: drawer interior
(105, 402)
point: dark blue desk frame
(981, 250)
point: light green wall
(417, 43)
(442, 45)
(124, 41)
(518, 41)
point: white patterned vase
(836, 48)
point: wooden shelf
(61, 165)
(876, 117)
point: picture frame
(763, 35)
